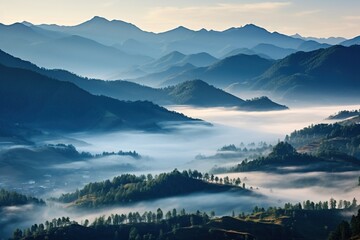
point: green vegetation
(344, 114)
(309, 75)
(130, 188)
(293, 221)
(10, 198)
(346, 231)
(284, 155)
(70, 150)
(328, 139)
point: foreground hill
(288, 222)
(197, 93)
(331, 72)
(31, 99)
(130, 188)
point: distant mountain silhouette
(34, 100)
(178, 59)
(332, 72)
(245, 51)
(353, 41)
(102, 30)
(187, 41)
(311, 46)
(107, 49)
(239, 68)
(156, 79)
(273, 51)
(57, 50)
(330, 40)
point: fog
(178, 148)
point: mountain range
(247, 58)
(324, 72)
(105, 49)
(34, 100)
(195, 92)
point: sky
(319, 18)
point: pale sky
(319, 18)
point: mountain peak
(26, 23)
(253, 27)
(98, 19)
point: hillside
(199, 93)
(280, 223)
(344, 114)
(130, 188)
(285, 158)
(10, 198)
(31, 99)
(343, 137)
(329, 72)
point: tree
(355, 224)
(342, 232)
(174, 213)
(168, 215)
(133, 233)
(17, 234)
(354, 203)
(332, 203)
(159, 214)
(86, 222)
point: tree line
(128, 188)
(11, 198)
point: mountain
(245, 51)
(124, 90)
(178, 59)
(338, 138)
(311, 46)
(330, 40)
(284, 158)
(102, 30)
(75, 53)
(325, 72)
(187, 41)
(239, 68)
(156, 79)
(273, 51)
(128, 188)
(199, 93)
(353, 41)
(31, 99)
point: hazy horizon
(309, 19)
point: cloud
(356, 18)
(306, 13)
